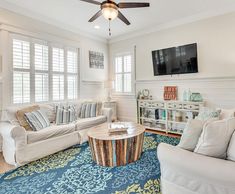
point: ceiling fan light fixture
(110, 12)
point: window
(43, 73)
(21, 71)
(72, 74)
(123, 73)
(58, 73)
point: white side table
(113, 106)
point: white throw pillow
(191, 134)
(215, 138)
(206, 113)
(226, 113)
(49, 109)
(231, 149)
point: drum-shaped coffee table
(116, 149)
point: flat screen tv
(175, 60)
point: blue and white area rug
(73, 171)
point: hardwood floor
(163, 133)
(4, 167)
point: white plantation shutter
(21, 87)
(72, 68)
(123, 73)
(42, 72)
(58, 87)
(21, 71)
(41, 87)
(72, 87)
(41, 63)
(41, 57)
(72, 62)
(58, 60)
(21, 54)
(127, 73)
(58, 73)
(127, 63)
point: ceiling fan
(110, 9)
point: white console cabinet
(167, 116)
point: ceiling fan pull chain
(110, 27)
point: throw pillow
(231, 149)
(65, 115)
(226, 113)
(89, 110)
(99, 108)
(78, 107)
(37, 120)
(191, 134)
(20, 115)
(215, 138)
(49, 109)
(206, 113)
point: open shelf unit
(167, 116)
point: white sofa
(0, 143)
(21, 146)
(185, 172)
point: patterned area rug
(73, 171)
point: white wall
(11, 22)
(216, 52)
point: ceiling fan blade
(91, 1)
(133, 5)
(123, 18)
(98, 14)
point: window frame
(123, 54)
(32, 41)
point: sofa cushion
(215, 138)
(231, 149)
(20, 115)
(89, 122)
(50, 132)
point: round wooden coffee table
(118, 148)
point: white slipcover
(185, 172)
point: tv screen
(175, 60)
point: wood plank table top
(101, 132)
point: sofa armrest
(14, 137)
(108, 113)
(188, 169)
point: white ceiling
(74, 14)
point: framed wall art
(96, 60)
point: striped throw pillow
(65, 115)
(37, 120)
(88, 110)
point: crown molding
(179, 22)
